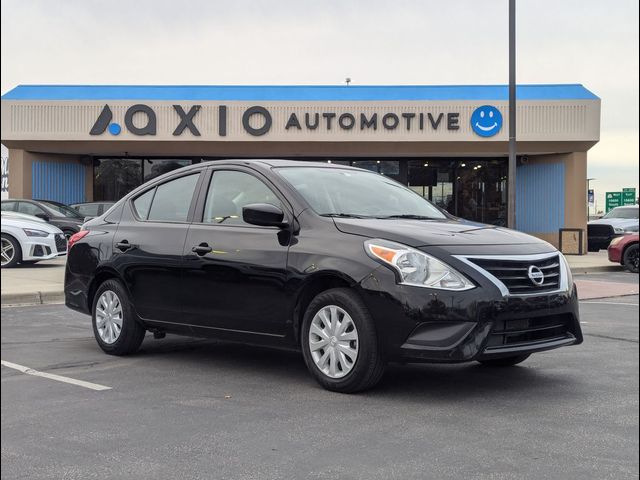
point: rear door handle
(201, 249)
(123, 246)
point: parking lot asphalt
(193, 408)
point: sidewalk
(592, 263)
(44, 281)
(34, 284)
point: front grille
(523, 331)
(514, 274)
(600, 231)
(61, 243)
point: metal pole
(511, 189)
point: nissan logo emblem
(536, 276)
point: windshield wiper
(343, 215)
(409, 216)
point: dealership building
(448, 143)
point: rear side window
(89, 210)
(172, 200)
(142, 203)
(9, 206)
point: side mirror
(264, 215)
(86, 219)
(43, 216)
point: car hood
(616, 222)
(421, 233)
(24, 223)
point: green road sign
(628, 196)
(613, 200)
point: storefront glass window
(115, 177)
(153, 168)
(473, 189)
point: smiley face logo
(486, 121)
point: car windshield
(342, 192)
(626, 213)
(63, 210)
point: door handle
(202, 249)
(123, 246)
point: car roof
(274, 162)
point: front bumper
(425, 325)
(43, 248)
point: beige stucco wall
(548, 120)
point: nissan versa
(350, 267)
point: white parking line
(51, 376)
(611, 303)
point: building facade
(448, 143)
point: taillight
(75, 237)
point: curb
(32, 298)
(596, 269)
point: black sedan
(58, 214)
(348, 266)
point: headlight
(30, 232)
(618, 230)
(568, 276)
(616, 241)
(415, 267)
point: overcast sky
(593, 42)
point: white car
(29, 240)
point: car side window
(229, 191)
(89, 210)
(9, 206)
(142, 203)
(172, 200)
(29, 208)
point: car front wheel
(115, 326)
(11, 251)
(339, 342)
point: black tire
(505, 361)
(132, 332)
(17, 251)
(369, 364)
(630, 258)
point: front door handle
(202, 249)
(123, 246)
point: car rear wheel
(115, 326)
(11, 251)
(339, 342)
(504, 361)
(630, 258)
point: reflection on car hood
(10, 220)
(616, 222)
(419, 233)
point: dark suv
(351, 267)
